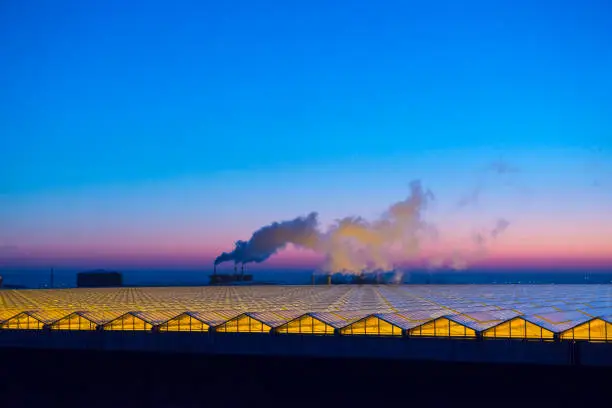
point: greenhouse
(489, 312)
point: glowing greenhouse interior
(489, 312)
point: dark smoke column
(268, 240)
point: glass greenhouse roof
(493, 310)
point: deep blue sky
(100, 96)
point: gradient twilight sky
(150, 133)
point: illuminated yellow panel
(128, 322)
(73, 322)
(443, 327)
(594, 330)
(184, 322)
(598, 330)
(536, 332)
(502, 330)
(357, 328)
(456, 330)
(23, 321)
(372, 326)
(428, 329)
(244, 324)
(387, 329)
(306, 325)
(518, 328)
(459, 330)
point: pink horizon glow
(524, 246)
(188, 257)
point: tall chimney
(329, 279)
(242, 270)
(215, 270)
(235, 269)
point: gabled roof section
(520, 327)
(23, 321)
(74, 321)
(310, 323)
(372, 325)
(595, 329)
(244, 323)
(184, 322)
(130, 321)
(445, 326)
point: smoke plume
(497, 169)
(268, 240)
(351, 244)
(500, 227)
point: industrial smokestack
(235, 269)
(329, 279)
(242, 270)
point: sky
(147, 133)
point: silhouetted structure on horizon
(224, 278)
(99, 279)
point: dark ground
(30, 378)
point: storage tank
(99, 279)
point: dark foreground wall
(442, 350)
(43, 378)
